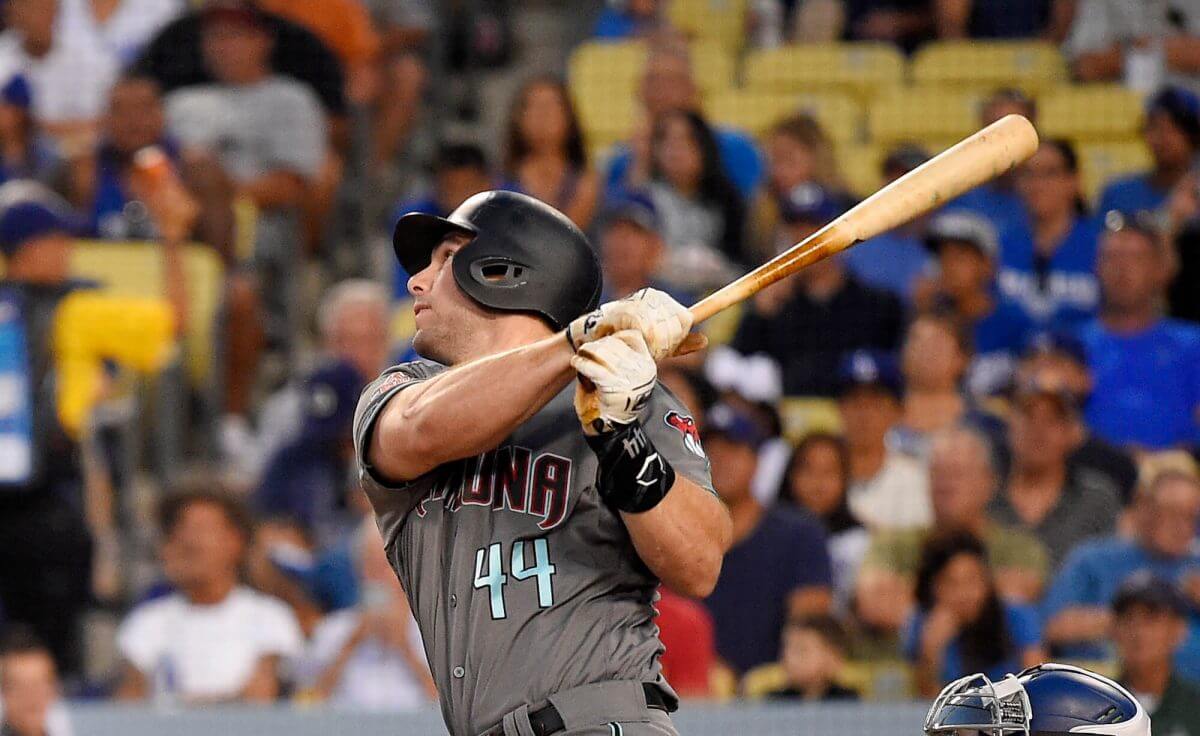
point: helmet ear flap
(499, 272)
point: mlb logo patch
(686, 426)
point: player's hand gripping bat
(985, 155)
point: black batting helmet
(524, 256)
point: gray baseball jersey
(522, 581)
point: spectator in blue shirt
(624, 19)
(1076, 609)
(997, 200)
(668, 85)
(966, 248)
(1145, 367)
(1172, 133)
(961, 625)
(778, 566)
(1048, 269)
(460, 170)
(25, 152)
(895, 261)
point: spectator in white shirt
(212, 640)
(369, 657)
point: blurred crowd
(966, 445)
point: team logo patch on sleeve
(686, 426)
(390, 382)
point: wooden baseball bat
(985, 155)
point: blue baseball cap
(25, 221)
(1055, 341)
(874, 368)
(727, 421)
(1182, 106)
(17, 92)
(1151, 590)
(636, 208)
(331, 395)
(809, 202)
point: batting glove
(662, 321)
(616, 376)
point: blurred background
(967, 445)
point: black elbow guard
(632, 475)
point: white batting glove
(661, 320)
(616, 376)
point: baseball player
(531, 514)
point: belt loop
(517, 723)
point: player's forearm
(684, 538)
(1082, 623)
(469, 409)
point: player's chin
(427, 344)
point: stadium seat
(984, 66)
(859, 166)
(755, 111)
(720, 21)
(1100, 163)
(603, 79)
(1099, 112)
(801, 415)
(135, 269)
(923, 114)
(713, 66)
(860, 69)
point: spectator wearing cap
(1150, 623)
(632, 250)
(297, 459)
(25, 153)
(30, 703)
(1048, 269)
(895, 261)
(668, 84)
(888, 489)
(816, 480)
(1077, 607)
(1043, 495)
(212, 639)
(1172, 133)
(1058, 361)
(966, 248)
(962, 482)
(1145, 367)
(807, 324)
(778, 558)
(1115, 40)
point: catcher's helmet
(1048, 700)
(524, 256)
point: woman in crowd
(933, 360)
(798, 152)
(703, 216)
(961, 626)
(546, 157)
(816, 481)
(1049, 269)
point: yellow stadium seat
(756, 111)
(860, 167)
(1100, 163)
(135, 269)
(713, 67)
(1099, 112)
(988, 65)
(801, 415)
(923, 114)
(763, 680)
(859, 69)
(720, 21)
(603, 79)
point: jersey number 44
(489, 572)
